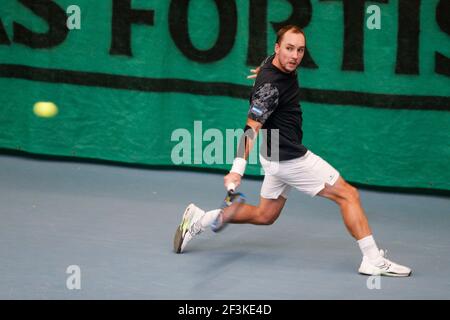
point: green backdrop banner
(164, 82)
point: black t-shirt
(275, 102)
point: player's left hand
(255, 73)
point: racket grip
(231, 187)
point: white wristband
(239, 165)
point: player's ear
(277, 48)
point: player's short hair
(290, 27)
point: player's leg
(314, 176)
(265, 213)
(374, 261)
(196, 220)
(347, 198)
(273, 197)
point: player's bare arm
(244, 148)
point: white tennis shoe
(383, 268)
(189, 227)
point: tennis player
(287, 163)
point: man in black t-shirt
(275, 103)
(275, 106)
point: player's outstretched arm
(245, 147)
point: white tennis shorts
(308, 174)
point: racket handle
(231, 187)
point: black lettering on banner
(301, 16)
(56, 18)
(257, 38)
(3, 36)
(442, 64)
(178, 26)
(122, 19)
(353, 35)
(408, 37)
(354, 14)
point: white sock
(369, 248)
(209, 217)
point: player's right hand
(232, 177)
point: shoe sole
(179, 234)
(386, 274)
(178, 240)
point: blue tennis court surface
(116, 224)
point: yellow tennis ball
(45, 109)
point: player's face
(289, 53)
